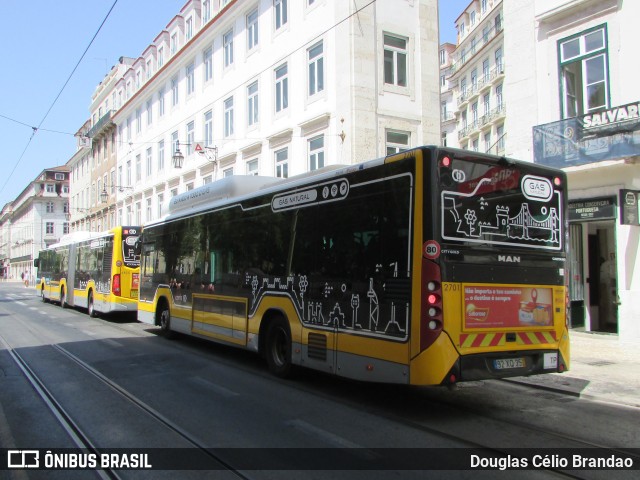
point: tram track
(81, 438)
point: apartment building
(448, 104)
(37, 218)
(267, 87)
(477, 75)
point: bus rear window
(490, 204)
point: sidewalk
(602, 368)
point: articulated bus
(96, 271)
(427, 267)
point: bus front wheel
(163, 316)
(278, 348)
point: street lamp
(211, 153)
(104, 195)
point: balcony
(495, 115)
(101, 125)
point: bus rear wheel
(278, 348)
(91, 309)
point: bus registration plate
(506, 363)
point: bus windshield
(500, 205)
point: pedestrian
(26, 279)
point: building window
(252, 104)
(280, 13)
(65, 228)
(487, 142)
(175, 145)
(397, 141)
(206, 10)
(208, 64)
(189, 28)
(49, 228)
(149, 163)
(138, 168)
(129, 178)
(159, 204)
(228, 172)
(501, 138)
(51, 188)
(160, 156)
(149, 112)
(208, 128)
(316, 69)
(228, 117)
(207, 179)
(227, 41)
(395, 60)
(174, 43)
(252, 167)
(174, 91)
(149, 211)
(282, 162)
(50, 207)
(190, 137)
(316, 152)
(161, 102)
(160, 59)
(443, 57)
(282, 88)
(191, 78)
(138, 122)
(584, 72)
(252, 30)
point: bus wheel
(278, 348)
(63, 298)
(91, 309)
(163, 316)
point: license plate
(506, 363)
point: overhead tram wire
(35, 129)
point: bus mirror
(36, 262)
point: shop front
(601, 156)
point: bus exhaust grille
(317, 346)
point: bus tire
(163, 318)
(63, 298)
(278, 348)
(91, 309)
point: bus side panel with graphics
(96, 271)
(345, 271)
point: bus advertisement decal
(507, 306)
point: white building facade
(477, 78)
(271, 87)
(568, 99)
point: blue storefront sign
(608, 135)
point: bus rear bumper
(486, 366)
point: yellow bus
(96, 271)
(427, 267)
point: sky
(44, 102)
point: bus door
(71, 275)
(217, 309)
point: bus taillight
(115, 285)
(431, 317)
